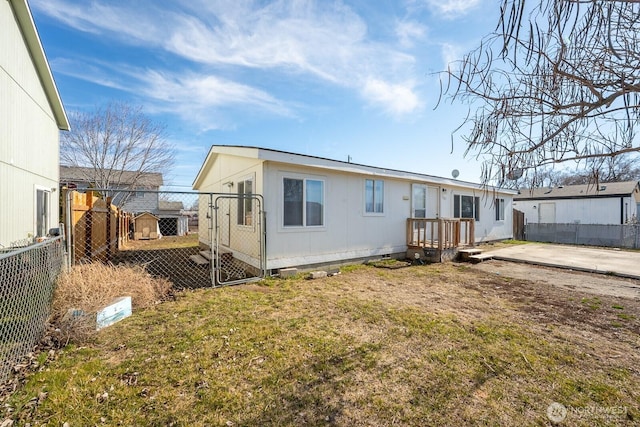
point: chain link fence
(27, 282)
(192, 239)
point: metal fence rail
(27, 281)
(613, 235)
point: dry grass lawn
(425, 345)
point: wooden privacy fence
(98, 228)
(518, 225)
(440, 233)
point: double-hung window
(245, 202)
(499, 209)
(374, 196)
(466, 207)
(303, 202)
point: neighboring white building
(321, 211)
(31, 115)
(605, 203)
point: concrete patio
(596, 260)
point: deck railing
(440, 233)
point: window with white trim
(466, 207)
(374, 196)
(499, 209)
(303, 202)
(139, 193)
(245, 202)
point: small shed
(172, 220)
(145, 226)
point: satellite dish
(455, 173)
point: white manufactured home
(31, 115)
(321, 211)
(604, 203)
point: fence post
(68, 223)
(108, 233)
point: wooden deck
(440, 233)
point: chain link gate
(175, 235)
(238, 238)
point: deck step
(466, 254)
(206, 254)
(199, 259)
(470, 251)
(480, 257)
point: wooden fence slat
(98, 227)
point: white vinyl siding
(29, 156)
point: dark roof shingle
(608, 189)
(82, 174)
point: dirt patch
(599, 284)
(587, 309)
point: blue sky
(320, 77)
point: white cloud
(408, 32)
(451, 53)
(327, 41)
(197, 98)
(451, 8)
(397, 99)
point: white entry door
(547, 213)
(424, 201)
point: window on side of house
(303, 202)
(245, 202)
(499, 209)
(466, 207)
(374, 196)
(42, 212)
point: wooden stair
(480, 257)
(199, 259)
(473, 255)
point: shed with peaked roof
(146, 227)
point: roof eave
(285, 157)
(30, 34)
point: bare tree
(557, 81)
(604, 169)
(118, 145)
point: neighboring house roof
(268, 154)
(608, 189)
(32, 39)
(165, 205)
(82, 174)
